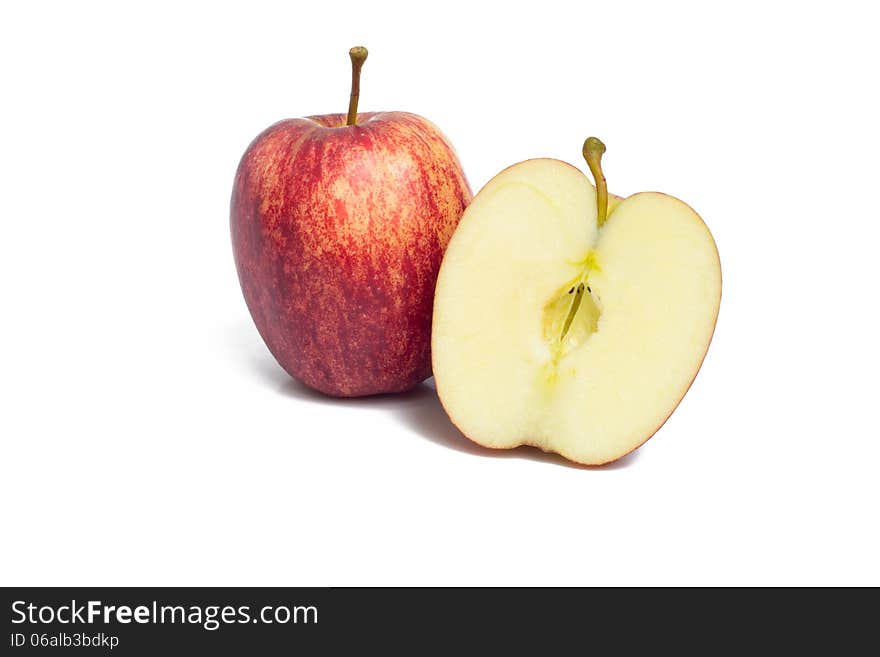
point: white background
(148, 437)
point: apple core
(572, 314)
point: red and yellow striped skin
(338, 233)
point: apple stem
(358, 56)
(593, 150)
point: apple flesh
(552, 331)
(338, 232)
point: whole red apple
(339, 224)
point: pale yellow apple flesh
(551, 331)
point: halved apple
(556, 328)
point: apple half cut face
(551, 331)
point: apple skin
(338, 233)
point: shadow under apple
(418, 410)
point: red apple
(339, 224)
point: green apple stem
(358, 56)
(593, 150)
